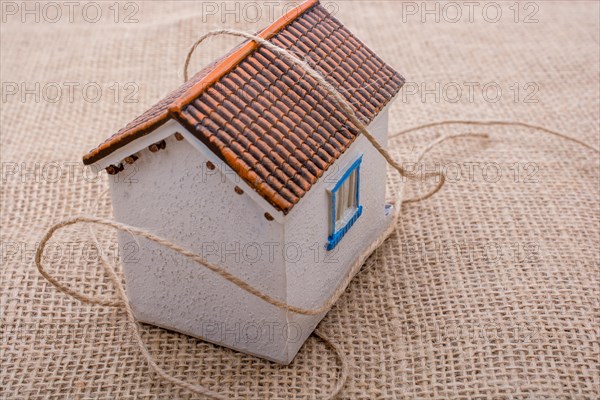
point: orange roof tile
(265, 117)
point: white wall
(172, 194)
(175, 196)
(313, 278)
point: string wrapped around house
(279, 145)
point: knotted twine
(345, 107)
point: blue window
(345, 204)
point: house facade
(251, 165)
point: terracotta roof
(265, 117)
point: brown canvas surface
(489, 289)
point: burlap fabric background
(489, 289)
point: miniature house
(251, 164)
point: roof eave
(222, 68)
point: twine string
(336, 96)
(343, 104)
(497, 123)
(134, 326)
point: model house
(251, 164)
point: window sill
(334, 239)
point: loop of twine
(132, 322)
(345, 106)
(197, 258)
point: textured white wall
(174, 195)
(313, 278)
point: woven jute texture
(489, 289)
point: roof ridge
(231, 61)
(285, 132)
